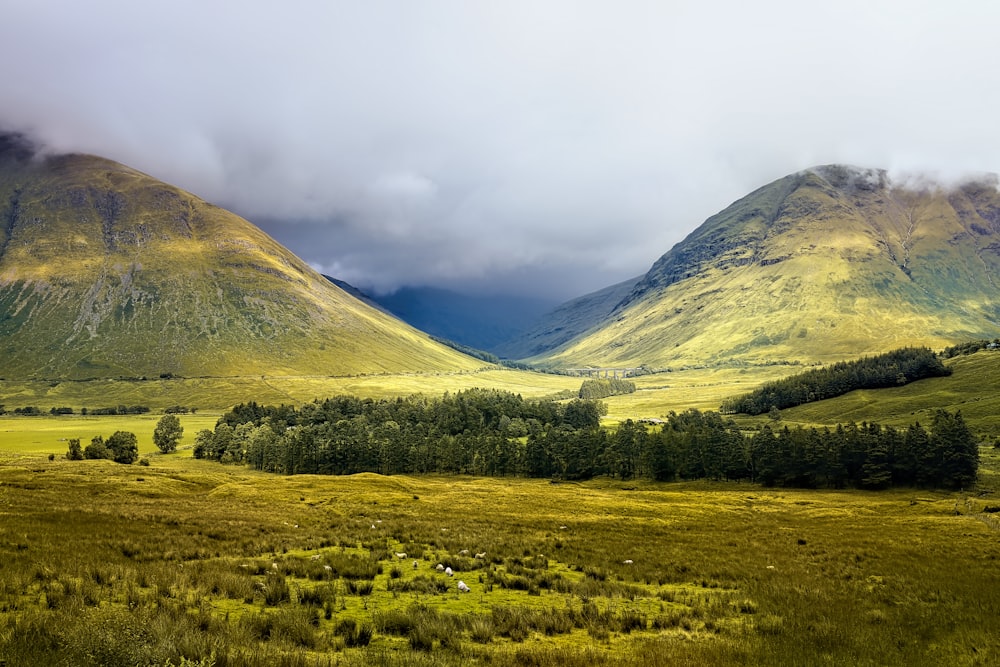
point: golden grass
(721, 573)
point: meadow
(187, 561)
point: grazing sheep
(449, 572)
(274, 565)
(400, 555)
(463, 552)
(462, 587)
(481, 556)
(440, 567)
(328, 568)
(316, 557)
(627, 561)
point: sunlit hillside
(107, 272)
(826, 264)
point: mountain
(107, 272)
(829, 263)
(566, 322)
(481, 322)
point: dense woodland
(885, 370)
(495, 433)
(605, 387)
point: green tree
(75, 452)
(168, 433)
(956, 450)
(124, 447)
(97, 449)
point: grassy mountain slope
(829, 263)
(973, 388)
(105, 272)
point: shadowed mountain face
(481, 322)
(829, 263)
(105, 272)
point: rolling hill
(107, 272)
(829, 263)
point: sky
(543, 147)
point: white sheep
(463, 552)
(400, 555)
(481, 556)
(328, 568)
(315, 557)
(440, 567)
(462, 587)
(627, 561)
(449, 572)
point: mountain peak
(827, 263)
(106, 272)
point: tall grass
(197, 563)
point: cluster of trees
(704, 445)
(603, 387)
(32, 411)
(885, 370)
(970, 347)
(479, 432)
(486, 432)
(121, 447)
(117, 410)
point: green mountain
(825, 264)
(107, 272)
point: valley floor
(186, 559)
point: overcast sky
(543, 146)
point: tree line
(605, 387)
(885, 370)
(495, 433)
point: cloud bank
(550, 148)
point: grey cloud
(557, 146)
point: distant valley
(483, 322)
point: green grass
(185, 558)
(49, 435)
(973, 388)
(216, 394)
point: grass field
(188, 561)
(49, 435)
(110, 564)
